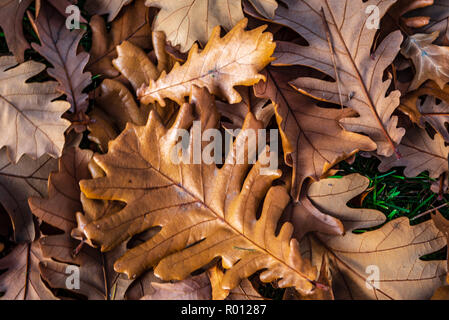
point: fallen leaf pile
(93, 205)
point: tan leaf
(220, 205)
(244, 291)
(224, 63)
(193, 288)
(430, 60)
(438, 15)
(22, 280)
(110, 7)
(98, 280)
(133, 25)
(59, 46)
(312, 138)
(63, 200)
(31, 121)
(11, 19)
(359, 82)
(395, 249)
(419, 153)
(18, 182)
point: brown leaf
(193, 288)
(312, 138)
(430, 60)
(18, 182)
(244, 291)
(436, 114)
(32, 123)
(98, 280)
(419, 153)
(63, 200)
(59, 46)
(395, 249)
(439, 20)
(140, 172)
(22, 279)
(219, 67)
(110, 7)
(333, 45)
(60, 6)
(132, 24)
(11, 18)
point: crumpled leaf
(178, 19)
(132, 24)
(244, 291)
(193, 288)
(402, 9)
(221, 212)
(395, 249)
(359, 81)
(11, 18)
(312, 138)
(19, 182)
(59, 46)
(224, 63)
(439, 20)
(98, 280)
(31, 121)
(63, 200)
(236, 113)
(110, 7)
(22, 280)
(430, 111)
(430, 60)
(419, 153)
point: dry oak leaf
(442, 224)
(395, 249)
(323, 208)
(59, 46)
(178, 19)
(235, 114)
(233, 60)
(110, 7)
(429, 110)
(244, 291)
(18, 182)
(430, 60)
(328, 26)
(404, 11)
(31, 121)
(132, 24)
(193, 288)
(419, 153)
(98, 280)
(204, 212)
(11, 19)
(439, 20)
(312, 137)
(61, 6)
(63, 200)
(22, 280)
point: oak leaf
(179, 18)
(22, 280)
(430, 60)
(59, 46)
(19, 182)
(31, 121)
(312, 138)
(395, 249)
(328, 27)
(110, 7)
(233, 60)
(132, 24)
(11, 19)
(439, 20)
(63, 200)
(419, 153)
(221, 211)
